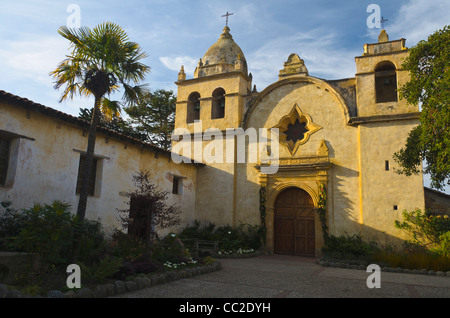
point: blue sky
(326, 34)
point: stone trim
(354, 121)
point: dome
(225, 50)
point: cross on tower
(227, 15)
(383, 20)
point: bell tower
(383, 123)
(379, 75)
(217, 93)
(213, 100)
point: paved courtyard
(277, 276)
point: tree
(102, 61)
(117, 124)
(149, 211)
(154, 115)
(429, 66)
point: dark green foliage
(48, 229)
(154, 116)
(244, 236)
(102, 269)
(429, 66)
(428, 231)
(170, 249)
(117, 124)
(349, 247)
(11, 222)
(127, 247)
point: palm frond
(110, 109)
(132, 94)
(105, 49)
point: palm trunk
(84, 189)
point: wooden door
(140, 218)
(294, 223)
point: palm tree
(101, 62)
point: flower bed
(239, 253)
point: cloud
(418, 19)
(174, 63)
(319, 49)
(32, 59)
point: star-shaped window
(295, 129)
(295, 132)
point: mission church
(336, 141)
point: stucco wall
(383, 189)
(317, 99)
(47, 167)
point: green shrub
(443, 248)
(170, 249)
(47, 229)
(413, 260)
(244, 236)
(11, 222)
(425, 229)
(349, 247)
(105, 268)
(93, 243)
(127, 247)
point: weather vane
(227, 15)
(383, 20)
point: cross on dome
(227, 15)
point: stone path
(276, 276)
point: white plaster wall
(47, 167)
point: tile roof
(48, 111)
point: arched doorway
(294, 223)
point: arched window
(193, 108)
(385, 82)
(218, 104)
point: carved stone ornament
(293, 66)
(295, 129)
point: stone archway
(294, 223)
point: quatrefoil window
(295, 129)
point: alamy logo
(74, 19)
(374, 279)
(374, 20)
(263, 144)
(74, 279)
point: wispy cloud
(416, 20)
(174, 63)
(319, 49)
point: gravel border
(119, 287)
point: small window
(218, 104)
(385, 82)
(177, 185)
(395, 207)
(386, 165)
(193, 108)
(5, 146)
(92, 177)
